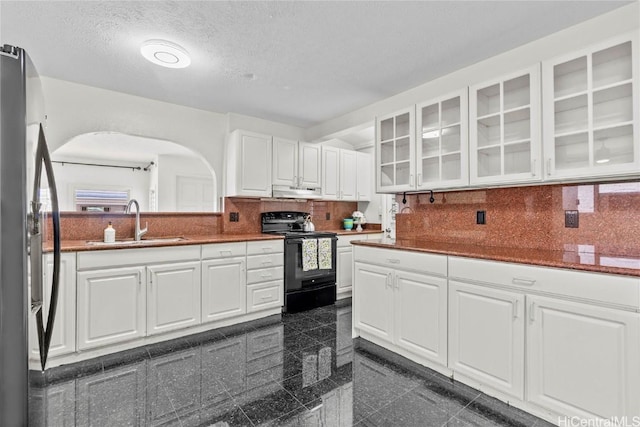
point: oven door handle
(297, 241)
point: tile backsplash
(90, 226)
(249, 212)
(529, 217)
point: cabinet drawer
(224, 250)
(265, 261)
(265, 274)
(265, 295)
(259, 247)
(596, 287)
(87, 260)
(406, 260)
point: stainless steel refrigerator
(28, 204)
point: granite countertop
(588, 261)
(82, 245)
(342, 232)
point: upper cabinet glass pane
(387, 152)
(570, 77)
(430, 118)
(516, 92)
(451, 139)
(489, 100)
(403, 125)
(489, 131)
(451, 112)
(386, 129)
(612, 65)
(517, 125)
(613, 105)
(403, 149)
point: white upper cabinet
(346, 174)
(364, 177)
(442, 147)
(330, 173)
(296, 164)
(424, 148)
(310, 165)
(395, 139)
(248, 164)
(504, 129)
(591, 111)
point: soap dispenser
(109, 234)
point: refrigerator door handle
(42, 157)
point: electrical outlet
(481, 217)
(571, 219)
(234, 216)
(327, 216)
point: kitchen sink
(137, 242)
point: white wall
(69, 177)
(593, 31)
(74, 109)
(169, 168)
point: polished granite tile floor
(296, 370)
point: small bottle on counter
(109, 234)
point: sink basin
(137, 242)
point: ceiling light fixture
(165, 53)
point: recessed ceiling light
(165, 53)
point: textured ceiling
(310, 61)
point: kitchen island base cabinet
(111, 306)
(373, 309)
(173, 292)
(581, 359)
(486, 336)
(402, 310)
(224, 288)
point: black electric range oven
(309, 282)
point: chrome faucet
(138, 233)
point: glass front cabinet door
(591, 111)
(442, 142)
(394, 152)
(504, 134)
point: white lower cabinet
(265, 295)
(582, 360)
(173, 292)
(486, 336)
(344, 270)
(373, 309)
(404, 308)
(224, 288)
(420, 314)
(265, 275)
(560, 343)
(111, 306)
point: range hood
(287, 192)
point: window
(96, 200)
